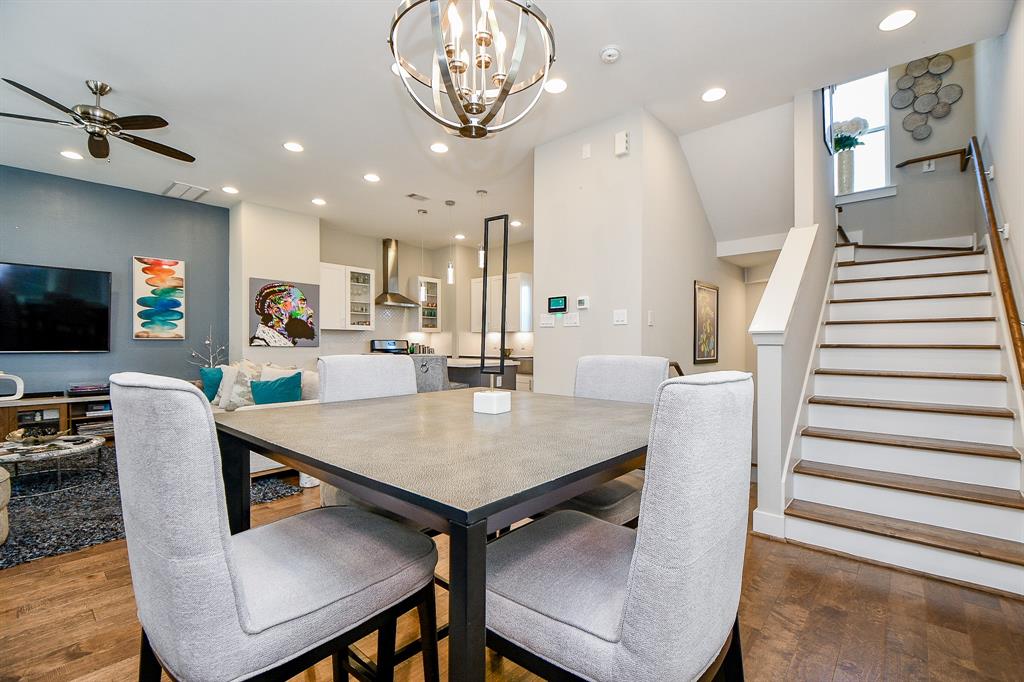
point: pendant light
(451, 246)
(423, 285)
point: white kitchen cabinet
(430, 308)
(346, 297)
(518, 304)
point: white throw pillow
(235, 389)
(310, 379)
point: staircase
(908, 455)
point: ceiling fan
(102, 123)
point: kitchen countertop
(475, 362)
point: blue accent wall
(52, 220)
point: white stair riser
(993, 471)
(949, 391)
(914, 309)
(995, 430)
(973, 517)
(913, 332)
(930, 560)
(913, 359)
(862, 255)
(961, 284)
(912, 267)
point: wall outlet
(928, 166)
(585, 151)
(620, 317)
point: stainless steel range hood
(390, 295)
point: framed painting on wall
(158, 295)
(282, 314)
(705, 323)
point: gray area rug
(65, 521)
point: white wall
(930, 205)
(749, 157)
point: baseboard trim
(769, 524)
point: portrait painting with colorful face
(158, 288)
(282, 313)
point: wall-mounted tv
(53, 310)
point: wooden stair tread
(903, 374)
(959, 447)
(908, 406)
(912, 258)
(970, 492)
(890, 278)
(974, 544)
(911, 247)
(919, 297)
(915, 320)
(915, 346)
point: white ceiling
(237, 79)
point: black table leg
(467, 563)
(234, 464)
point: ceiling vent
(417, 197)
(183, 190)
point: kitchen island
(467, 371)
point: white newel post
(769, 516)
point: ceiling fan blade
(138, 122)
(156, 147)
(44, 98)
(99, 147)
(41, 120)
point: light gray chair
(262, 604)
(358, 377)
(632, 379)
(573, 597)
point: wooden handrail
(1003, 275)
(962, 153)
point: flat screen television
(53, 310)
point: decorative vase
(845, 171)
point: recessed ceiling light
(68, 154)
(516, 223)
(228, 189)
(713, 95)
(555, 86)
(897, 20)
(293, 146)
(439, 148)
(319, 202)
(460, 237)
(371, 177)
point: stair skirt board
(917, 286)
(948, 391)
(935, 510)
(910, 555)
(912, 308)
(972, 332)
(912, 267)
(995, 430)
(962, 468)
(977, 361)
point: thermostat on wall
(558, 304)
(582, 302)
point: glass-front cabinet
(427, 292)
(360, 298)
(346, 297)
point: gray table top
(434, 446)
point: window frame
(885, 127)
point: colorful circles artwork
(159, 293)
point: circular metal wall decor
(901, 99)
(940, 64)
(921, 89)
(914, 120)
(921, 132)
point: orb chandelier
(475, 52)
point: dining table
(430, 458)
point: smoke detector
(610, 54)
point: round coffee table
(55, 452)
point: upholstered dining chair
(359, 377)
(573, 597)
(632, 379)
(263, 604)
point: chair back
(629, 378)
(684, 581)
(175, 517)
(357, 377)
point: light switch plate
(619, 316)
(546, 320)
(571, 320)
(928, 166)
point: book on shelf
(99, 413)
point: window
(866, 98)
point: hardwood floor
(805, 615)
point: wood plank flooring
(805, 615)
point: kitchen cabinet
(430, 307)
(518, 305)
(346, 297)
